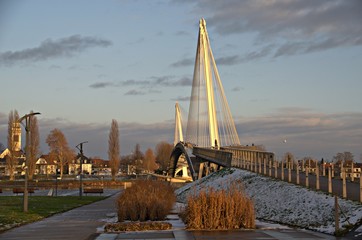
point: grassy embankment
(12, 215)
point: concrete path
(87, 222)
(79, 223)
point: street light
(80, 148)
(27, 127)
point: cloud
(237, 89)
(184, 62)
(292, 27)
(101, 85)
(153, 82)
(134, 93)
(170, 81)
(51, 49)
(181, 99)
(308, 133)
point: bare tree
(114, 149)
(346, 158)
(163, 155)
(13, 142)
(34, 145)
(149, 162)
(137, 158)
(59, 148)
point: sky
(291, 70)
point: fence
(321, 177)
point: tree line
(59, 150)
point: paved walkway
(79, 223)
(87, 222)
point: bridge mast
(178, 126)
(204, 47)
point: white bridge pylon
(210, 123)
(179, 137)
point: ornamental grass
(146, 200)
(219, 209)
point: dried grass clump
(146, 200)
(137, 226)
(219, 209)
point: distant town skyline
(291, 70)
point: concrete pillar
(298, 174)
(303, 169)
(317, 176)
(352, 169)
(324, 170)
(201, 170)
(276, 169)
(282, 169)
(260, 163)
(264, 160)
(332, 170)
(270, 168)
(344, 183)
(329, 179)
(289, 172)
(307, 177)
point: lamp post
(27, 127)
(80, 148)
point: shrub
(219, 209)
(146, 200)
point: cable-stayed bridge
(211, 140)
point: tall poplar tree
(34, 145)
(114, 149)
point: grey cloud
(101, 85)
(308, 133)
(231, 60)
(50, 49)
(311, 25)
(182, 33)
(184, 62)
(181, 99)
(184, 81)
(154, 82)
(237, 89)
(133, 82)
(134, 93)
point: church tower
(16, 136)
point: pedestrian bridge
(211, 141)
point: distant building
(45, 165)
(18, 166)
(100, 166)
(74, 166)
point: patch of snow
(281, 202)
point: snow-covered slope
(280, 201)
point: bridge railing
(316, 176)
(253, 160)
(220, 157)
